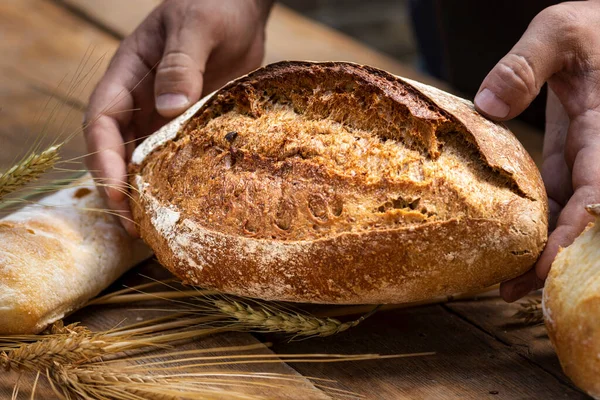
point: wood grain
(496, 318)
(52, 48)
(468, 364)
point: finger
(107, 164)
(573, 218)
(103, 137)
(108, 114)
(557, 126)
(555, 172)
(179, 74)
(516, 80)
(582, 150)
(520, 286)
(116, 188)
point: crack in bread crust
(330, 156)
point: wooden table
(481, 351)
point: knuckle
(566, 20)
(178, 13)
(516, 72)
(176, 66)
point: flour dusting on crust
(166, 133)
(372, 264)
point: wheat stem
(139, 297)
(28, 170)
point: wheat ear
(259, 318)
(530, 312)
(62, 348)
(88, 382)
(28, 170)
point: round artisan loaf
(571, 304)
(338, 183)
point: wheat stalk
(79, 363)
(74, 344)
(28, 170)
(235, 313)
(273, 319)
(257, 315)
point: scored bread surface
(338, 183)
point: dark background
(458, 41)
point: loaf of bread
(338, 183)
(571, 305)
(57, 254)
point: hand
(561, 47)
(184, 48)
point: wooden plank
(468, 364)
(46, 45)
(27, 112)
(496, 317)
(51, 61)
(115, 16)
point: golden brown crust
(572, 308)
(333, 182)
(58, 254)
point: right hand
(561, 47)
(196, 47)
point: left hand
(561, 47)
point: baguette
(571, 306)
(57, 254)
(338, 183)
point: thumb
(516, 80)
(178, 82)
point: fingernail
(171, 102)
(491, 105)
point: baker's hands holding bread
(560, 47)
(198, 46)
(183, 49)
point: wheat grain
(28, 170)
(63, 348)
(530, 312)
(276, 320)
(59, 328)
(87, 382)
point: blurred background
(455, 41)
(382, 24)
